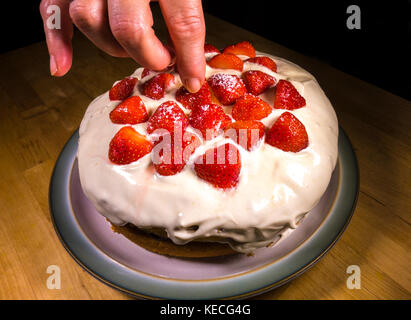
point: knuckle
(82, 14)
(44, 4)
(123, 28)
(186, 25)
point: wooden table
(38, 113)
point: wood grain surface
(38, 113)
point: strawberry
(264, 61)
(128, 146)
(257, 81)
(226, 87)
(250, 107)
(122, 89)
(209, 48)
(168, 116)
(145, 73)
(209, 119)
(247, 133)
(157, 85)
(190, 100)
(174, 152)
(287, 134)
(130, 111)
(287, 96)
(226, 61)
(244, 48)
(220, 166)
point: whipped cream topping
(276, 188)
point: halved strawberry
(247, 133)
(146, 72)
(220, 166)
(155, 87)
(257, 81)
(122, 89)
(168, 116)
(173, 153)
(128, 146)
(130, 111)
(250, 107)
(264, 61)
(209, 119)
(244, 48)
(190, 100)
(287, 134)
(209, 48)
(226, 87)
(226, 61)
(287, 96)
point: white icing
(276, 188)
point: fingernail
(53, 66)
(172, 53)
(173, 61)
(192, 85)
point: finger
(131, 24)
(59, 31)
(185, 22)
(91, 17)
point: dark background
(379, 53)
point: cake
(265, 118)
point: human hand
(123, 28)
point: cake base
(156, 244)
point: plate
(123, 265)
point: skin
(123, 28)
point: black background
(379, 52)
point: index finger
(131, 22)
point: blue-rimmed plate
(122, 264)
